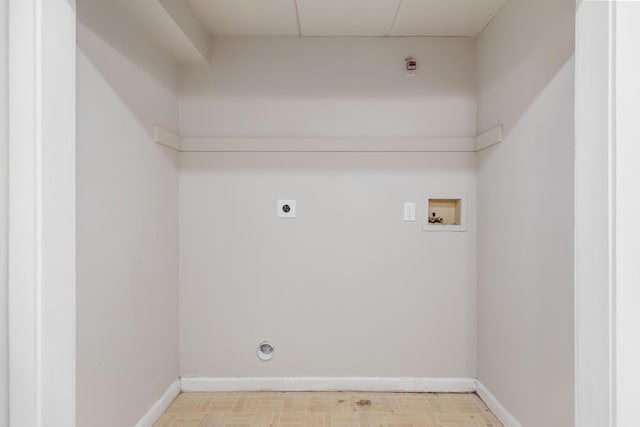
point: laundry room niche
(193, 134)
(445, 213)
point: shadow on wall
(331, 87)
(144, 79)
(334, 67)
(514, 71)
(347, 163)
(525, 218)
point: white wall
(330, 87)
(346, 289)
(4, 175)
(127, 220)
(525, 211)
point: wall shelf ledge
(334, 145)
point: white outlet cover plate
(292, 208)
(409, 211)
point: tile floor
(327, 409)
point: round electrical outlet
(265, 350)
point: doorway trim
(42, 272)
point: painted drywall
(345, 289)
(525, 211)
(127, 220)
(4, 185)
(271, 87)
(331, 87)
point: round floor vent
(265, 350)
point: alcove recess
(449, 210)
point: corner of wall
(525, 262)
(128, 307)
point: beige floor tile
(327, 409)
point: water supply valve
(433, 219)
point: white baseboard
(433, 385)
(496, 407)
(160, 406)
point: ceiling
(345, 17)
(185, 27)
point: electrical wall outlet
(286, 209)
(410, 211)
